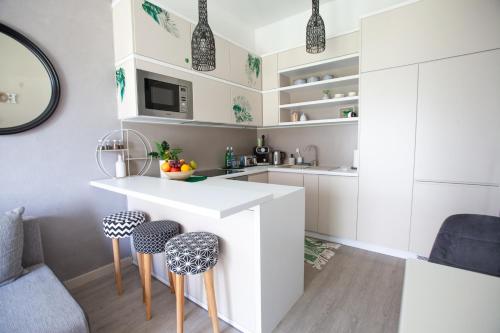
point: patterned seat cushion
(151, 237)
(122, 224)
(192, 253)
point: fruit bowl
(179, 175)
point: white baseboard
(365, 246)
(95, 274)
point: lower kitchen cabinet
(286, 178)
(259, 178)
(311, 184)
(434, 202)
(338, 206)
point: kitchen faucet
(313, 147)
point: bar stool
(116, 226)
(150, 238)
(190, 254)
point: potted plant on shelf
(326, 94)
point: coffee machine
(262, 152)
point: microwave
(164, 96)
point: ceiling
(252, 13)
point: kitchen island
(260, 273)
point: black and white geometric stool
(189, 254)
(116, 226)
(150, 238)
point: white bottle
(120, 168)
(291, 160)
(298, 158)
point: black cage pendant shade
(203, 42)
(315, 32)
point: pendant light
(203, 42)
(315, 32)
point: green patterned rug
(318, 252)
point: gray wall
(47, 169)
(335, 142)
(205, 145)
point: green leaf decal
(253, 67)
(242, 109)
(161, 17)
(120, 81)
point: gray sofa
(37, 302)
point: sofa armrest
(32, 249)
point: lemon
(185, 167)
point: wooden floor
(357, 291)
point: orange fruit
(165, 167)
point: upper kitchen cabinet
(126, 89)
(246, 68)
(211, 101)
(429, 30)
(222, 68)
(270, 75)
(335, 47)
(150, 31)
(246, 107)
(387, 148)
(270, 108)
(458, 124)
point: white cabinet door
(246, 68)
(270, 108)
(270, 72)
(335, 47)
(311, 186)
(429, 30)
(434, 202)
(338, 204)
(387, 145)
(211, 101)
(259, 178)
(161, 35)
(458, 125)
(246, 107)
(286, 178)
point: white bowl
(299, 81)
(312, 79)
(327, 77)
(338, 95)
(352, 93)
(181, 175)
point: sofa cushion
(38, 302)
(11, 245)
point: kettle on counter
(278, 157)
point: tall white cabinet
(387, 145)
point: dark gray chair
(470, 242)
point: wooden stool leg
(140, 262)
(147, 283)
(118, 270)
(208, 276)
(179, 297)
(171, 281)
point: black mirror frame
(54, 81)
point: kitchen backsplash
(206, 145)
(335, 144)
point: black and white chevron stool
(116, 226)
(150, 238)
(190, 254)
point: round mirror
(29, 86)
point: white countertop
(438, 298)
(322, 170)
(213, 197)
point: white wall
(47, 169)
(340, 16)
